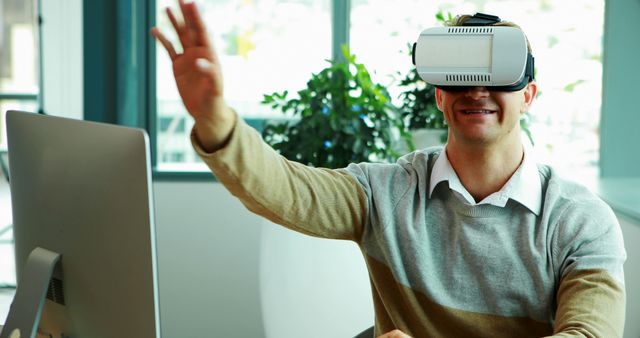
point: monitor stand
(26, 308)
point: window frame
(340, 16)
(143, 112)
(25, 97)
(5, 96)
(31, 97)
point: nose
(477, 92)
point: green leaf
(572, 86)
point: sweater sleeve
(315, 201)
(590, 304)
(590, 252)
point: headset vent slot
(470, 78)
(470, 30)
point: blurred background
(226, 272)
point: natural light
(269, 46)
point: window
(275, 45)
(18, 55)
(18, 91)
(566, 39)
(264, 46)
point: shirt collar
(524, 186)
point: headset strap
(481, 19)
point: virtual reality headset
(475, 54)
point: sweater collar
(524, 186)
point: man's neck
(485, 169)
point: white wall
(62, 58)
(311, 287)
(225, 272)
(207, 262)
(631, 233)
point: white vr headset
(475, 54)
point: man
(475, 239)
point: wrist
(212, 133)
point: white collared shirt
(524, 186)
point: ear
(530, 92)
(439, 99)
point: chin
(475, 138)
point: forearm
(319, 202)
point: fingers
(184, 33)
(173, 20)
(165, 42)
(184, 8)
(193, 32)
(193, 17)
(395, 334)
(190, 29)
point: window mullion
(152, 94)
(19, 96)
(340, 16)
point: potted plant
(341, 117)
(418, 106)
(420, 112)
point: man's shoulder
(566, 195)
(406, 171)
(421, 157)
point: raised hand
(198, 77)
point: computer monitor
(83, 190)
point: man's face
(478, 115)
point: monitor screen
(83, 190)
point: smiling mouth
(477, 111)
